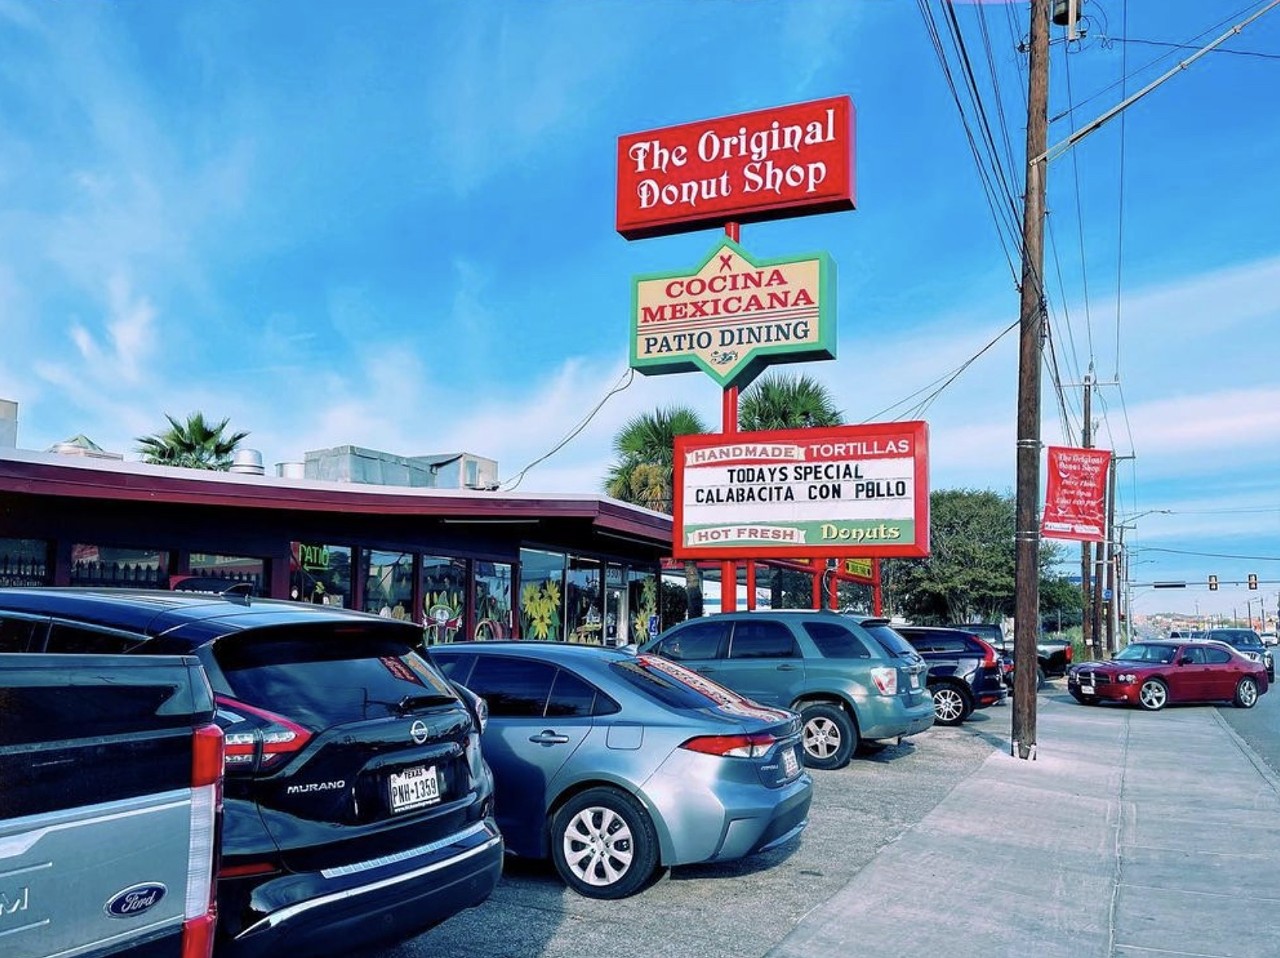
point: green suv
(852, 678)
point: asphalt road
(1260, 726)
(734, 910)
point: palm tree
(785, 401)
(196, 444)
(643, 471)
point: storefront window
(444, 597)
(120, 568)
(220, 570)
(24, 562)
(541, 595)
(616, 627)
(584, 621)
(388, 583)
(321, 574)
(493, 600)
(642, 604)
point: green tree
(196, 444)
(642, 472)
(786, 401)
(969, 574)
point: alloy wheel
(1153, 695)
(948, 705)
(821, 737)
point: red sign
(1074, 507)
(786, 161)
(803, 493)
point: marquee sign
(848, 491)
(734, 315)
(784, 161)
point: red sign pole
(877, 589)
(729, 426)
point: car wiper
(411, 703)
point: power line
(1084, 261)
(1186, 46)
(626, 380)
(1207, 555)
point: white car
(1269, 638)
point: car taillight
(732, 746)
(267, 741)
(199, 912)
(1070, 653)
(886, 680)
(989, 659)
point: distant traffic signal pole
(1027, 574)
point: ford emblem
(419, 732)
(135, 900)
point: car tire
(604, 844)
(952, 703)
(1153, 695)
(1246, 693)
(828, 737)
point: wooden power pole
(1027, 575)
(1086, 614)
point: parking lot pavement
(737, 909)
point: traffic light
(1213, 583)
(1253, 580)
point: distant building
(457, 470)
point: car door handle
(786, 668)
(548, 737)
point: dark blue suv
(964, 671)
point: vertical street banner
(1075, 501)
(841, 492)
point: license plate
(915, 681)
(790, 764)
(414, 788)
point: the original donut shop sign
(733, 315)
(803, 493)
(785, 161)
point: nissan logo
(419, 732)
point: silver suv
(852, 678)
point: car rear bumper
(889, 719)
(342, 910)
(706, 812)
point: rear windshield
(1240, 639)
(327, 675)
(677, 687)
(890, 640)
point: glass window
(93, 565)
(68, 638)
(493, 600)
(697, 640)
(584, 619)
(1193, 654)
(321, 574)
(615, 606)
(444, 597)
(669, 684)
(887, 639)
(835, 641)
(514, 688)
(642, 604)
(388, 583)
(16, 634)
(456, 668)
(327, 674)
(541, 595)
(1217, 656)
(24, 562)
(762, 640)
(218, 572)
(571, 697)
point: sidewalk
(1171, 848)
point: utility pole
(1027, 573)
(1086, 616)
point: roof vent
(291, 470)
(247, 462)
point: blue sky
(390, 224)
